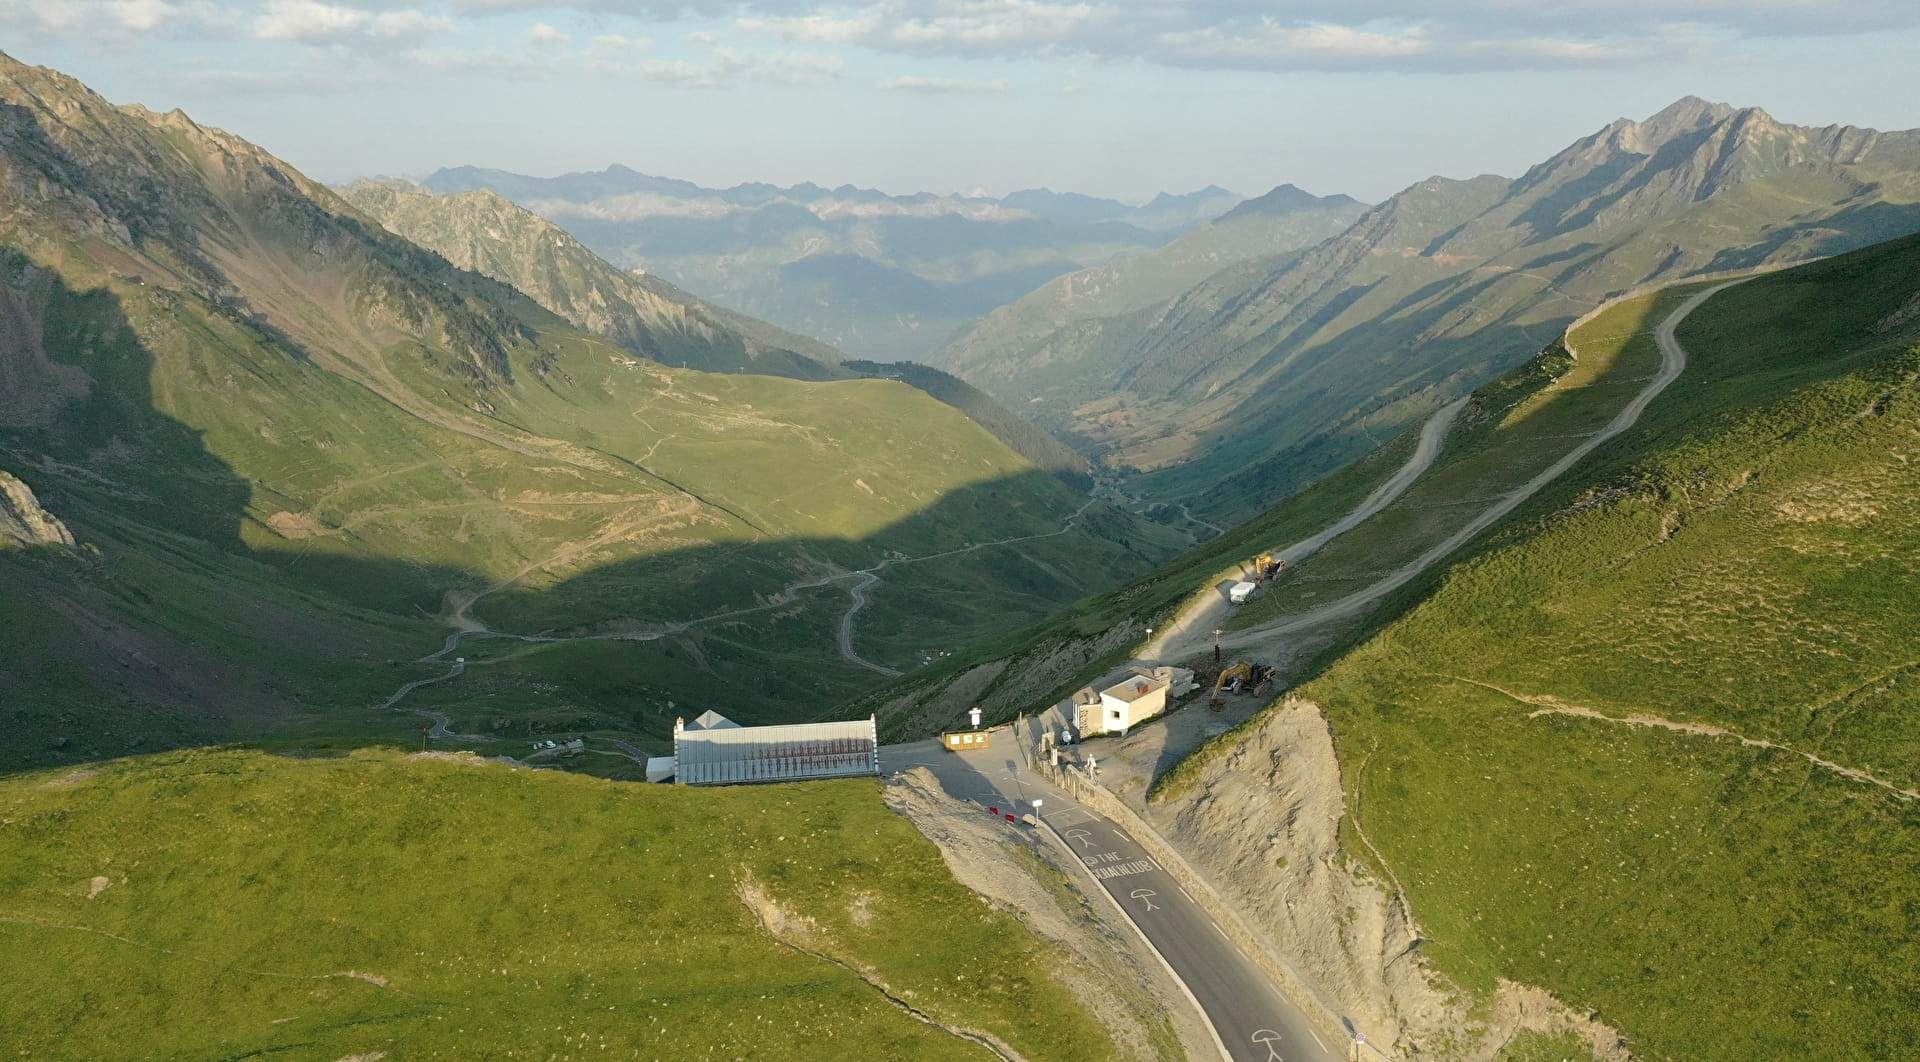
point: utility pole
(1216, 646)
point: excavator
(1240, 677)
(1266, 568)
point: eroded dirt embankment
(1263, 826)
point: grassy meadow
(225, 904)
(1608, 752)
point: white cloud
(114, 24)
(541, 35)
(1416, 35)
(611, 54)
(308, 21)
(729, 67)
(317, 22)
(941, 85)
(943, 26)
(1270, 44)
(410, 25)
(470, 62)
(1318, 34)
(143, 16)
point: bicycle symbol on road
(1146, 896)
(1085, 838)
(1268, 1039)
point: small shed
(1240, 591)
(1129, 702)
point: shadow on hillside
(1847, 230)
(321, 634)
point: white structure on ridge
(1126, 704)
(715, 750)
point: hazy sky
(1113, 97)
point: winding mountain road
(1269, 637)
(1191, 631)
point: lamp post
(1216, 646)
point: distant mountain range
(1238, 389)
(879, 276)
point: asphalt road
(1252, 1019)
(1189, 632)
(1673, 361)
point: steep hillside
(1653, 746)
(886, 278)
(287, 441)
(1028, 342)
(487, 234)
(483, 233)
(1259, 379)
(220, 904)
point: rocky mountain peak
(1683, 115)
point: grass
(1531, 1046)
(1510, 430)
(224, 903)
(1743, 560)
(288, 504)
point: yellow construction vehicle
(1241, 677)
(1267, 569)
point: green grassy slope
(1509, 431)
(1733, 877)
(226, 904)
(249, 397)
(480, 231)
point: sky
(1121, 98)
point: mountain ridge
(885, 278)
(1268, 378)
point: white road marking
(1317, 1040)
(1184, 892)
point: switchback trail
(440, 720)
(862, 580)
(1547, 706)
(1270, 637)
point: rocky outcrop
(24, 523)
(1264, 826)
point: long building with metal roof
(714, 750)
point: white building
(715, 750)
(1132, 701)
